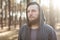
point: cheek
(28, 15)
(36, 15)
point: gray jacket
(46, 32)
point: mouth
(31, 17)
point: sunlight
(18, 1)
(45, 3)
(56, 4)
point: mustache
(31, 16)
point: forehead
(33, 7)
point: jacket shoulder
(48, 28)
(51, 32)
(23, 27)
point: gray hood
(41, 15)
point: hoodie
(45, 31)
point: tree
(51, 16)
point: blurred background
(13, 16)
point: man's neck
(34, 26)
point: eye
(33, 10)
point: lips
(31, 17)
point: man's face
(32, 12)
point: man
(36, 29)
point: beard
(33, 22)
